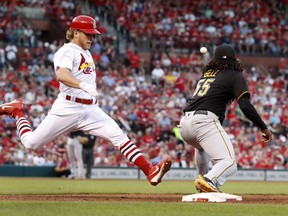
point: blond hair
(70, 34)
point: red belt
(80, 100)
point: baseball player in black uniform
(222, 82)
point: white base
(211, 197)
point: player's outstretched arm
(251, 113)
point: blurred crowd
(252, 27)
(146, 97)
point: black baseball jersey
(216, 90)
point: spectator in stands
(68, 6)
(158, 75)
(11, 54)
(29, 37)
(9, 95)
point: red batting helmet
(84, 23)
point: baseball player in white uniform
(76, 105)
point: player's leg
(70, 146)
(189, 130)
(79, 160)
(205, 133)
(84, 158)
(48, 130)
(57, 122)
(201, 161)
(220, 149)
(100, 124)
(88, 158)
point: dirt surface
(247, 199)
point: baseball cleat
(205, 185)
(197, 188)
(9, 108)
(157, 171)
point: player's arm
(250, 112)
(64, 76)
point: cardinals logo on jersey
(86, 67)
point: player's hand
(267, 135)
(83, 140)
(89, 89)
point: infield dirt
(249, 199)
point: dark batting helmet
(84, 23)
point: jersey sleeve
(64, 60)
(240, 86)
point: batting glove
(90, 89)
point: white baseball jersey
(81, 65)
